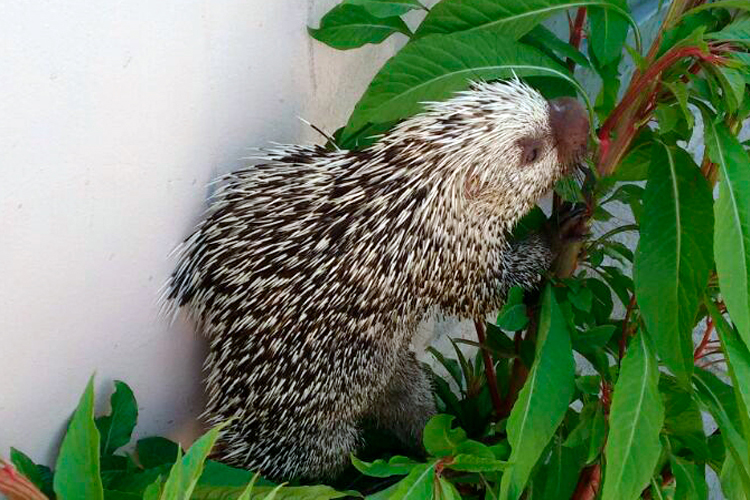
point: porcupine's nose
(570, 124)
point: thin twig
(489, 370)
(706, 337)
(624, 336)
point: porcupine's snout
(570, 125)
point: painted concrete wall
(113, 117)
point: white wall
(113, 117)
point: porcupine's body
(311, 271)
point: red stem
(706, 337)
(624, 336)
(588, 483)
(639, 86)
(489, 370)
(576, 33)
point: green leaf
(680, 91)
(608, 31)
(732, 232)
(186, 471)
(737, 31)
(682, 418)
(155, 451)
(350, 26)
(512, 18)
(562, 471)
(542, 38)
(636, 418)
(450, 365)
(731, 480)
(594, 338)
(674, 256)
(733, 87)
(113, 467)
(386, 8)
(720, 401)
(395, 466)
(432, 70)
(725, 4)
(438, 437)
(320, 492)
(121, 495)
(602, 304)
(738, 359)
(447, 490)
(513, 318)
(77, 469)
(472, 463)
(153, 490)
(544, 399)
(582, 299)
(219, 474)
(115, 429)
(690, 478)
(27, 467)
(417, 485)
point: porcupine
(311, 271)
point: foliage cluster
(519, 419)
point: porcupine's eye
(530, 149)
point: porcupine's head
(503, 144)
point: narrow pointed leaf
(27, 467)
(386, 8)
(636, 418)
(351, 26)
(726, 4)
(115, 429)
(514, 19)
(542, 38)
(434, 68)
(77, 473)
(319, 492)
(396, 465)
(674, 256)
(608, 32)
(187, 471)
(732, 233)
(738, 360)
(418, 484)
(544, 399)
(738, 31)
(719, 399)
(690, 478)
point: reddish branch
(633, 101)
(704, 342)
(15, 486)
(576, 33)
(589, 483)
(518, 372)
(624, 336)
(489, 370)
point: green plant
(89, 466)
(520, 418)
(632, 426)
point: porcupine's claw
(571, 225)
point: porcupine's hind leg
(271, 428)
(407, 402)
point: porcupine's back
(292, 240)
(289, 277)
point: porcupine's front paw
(570, 226)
